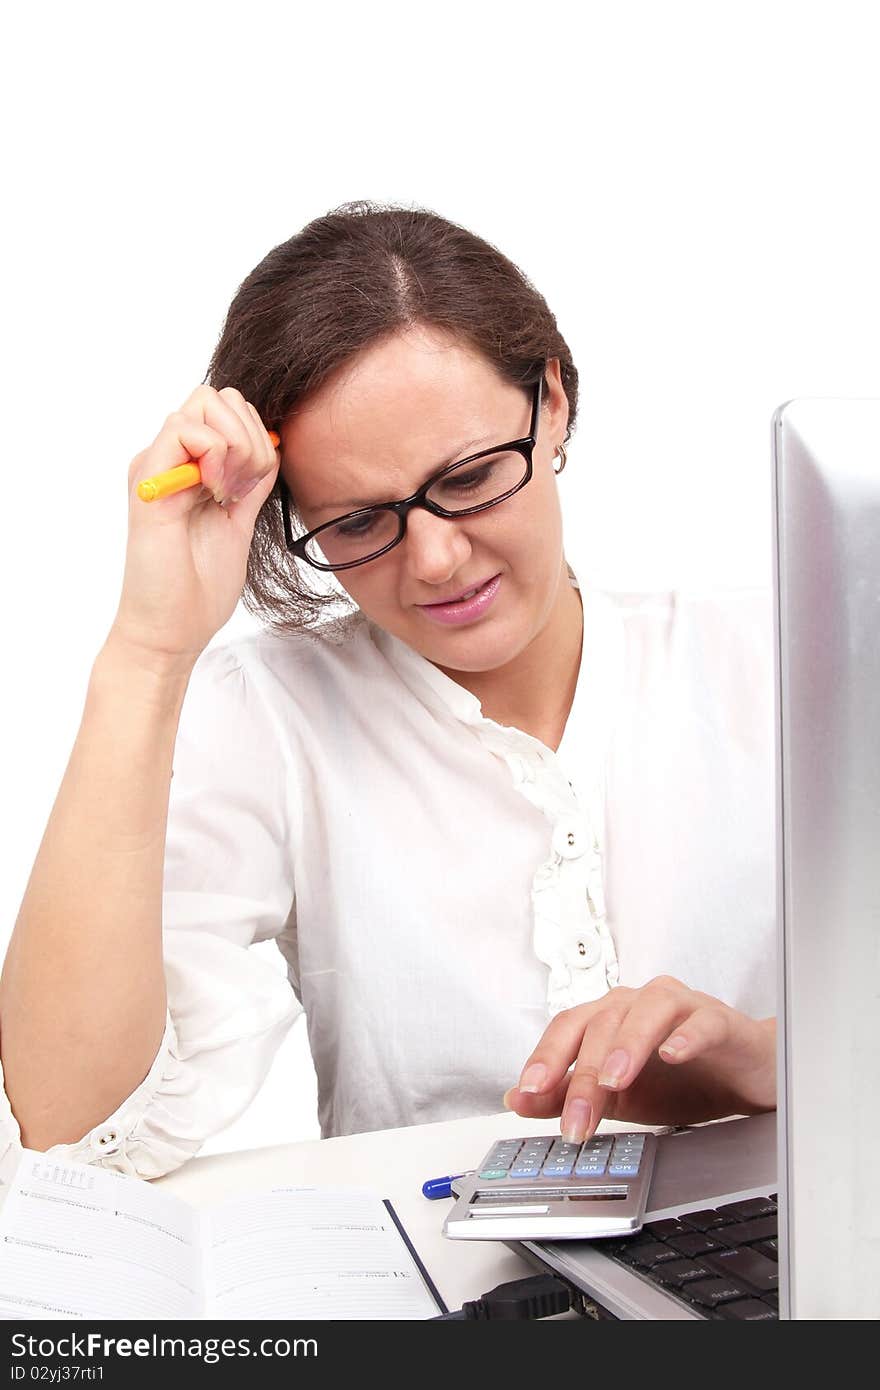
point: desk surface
(394, 1163)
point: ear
(555, 402)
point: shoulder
(688, 604)
(671, 619)
(269, 666)
(714, 644)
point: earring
(560, 449)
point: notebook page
(77, 1241)
(305, 1252)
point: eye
(357, 527)
(470, 481)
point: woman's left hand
(662, 1054)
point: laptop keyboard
(723, 1261)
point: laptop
(776, 1215)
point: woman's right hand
(186, 559)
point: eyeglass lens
(479, 483)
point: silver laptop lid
(827, 574)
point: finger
(534, 1107)
(272, 451)
(617, 1044)
(657, 1008)
(264, 469)
(707, 1027)
(181, 439)
(228, 416)
(559, 1045)
(585, 1101)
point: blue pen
(441, 1187)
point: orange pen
(176, 479)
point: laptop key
(693, 1243)
(649, 1254)
(746, 1310)
(705, 1220)
(748, 1208)
(748, 1232)
(661, 1230)
(678, 1272)
(770, 1248)
(750, 1266)
(711, 1292)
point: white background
(692, 186)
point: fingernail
(614, 1069)
(533, 1078)
(674, 1045)
(248, 487)
(576, 1121)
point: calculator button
(559, 1170)
(589, 1170)
(494, 1173)
(564, 1148)
(532, 1171)
(623, 1170)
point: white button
(569, 840)
(583, 952)
(106, 1141)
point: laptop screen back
(827, 584)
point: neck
(535, 691)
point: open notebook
(79, 1242)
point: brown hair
(360, 273)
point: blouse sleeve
(228, 883)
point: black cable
(539, 1296)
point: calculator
(545, 1188)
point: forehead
(402, 407)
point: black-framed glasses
(471, 485)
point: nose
(435, 547)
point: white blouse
(438, 884)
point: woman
(424, 800)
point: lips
(470, 605)
(459, 597)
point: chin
(469, 649)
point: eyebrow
(353, 504)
